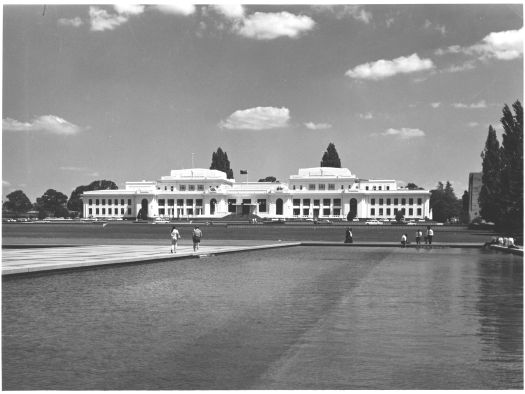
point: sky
(130, 92)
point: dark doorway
(279, 207)
(246, 206)
(213, 202)
(144, 209)
(353, 209)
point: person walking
(196, 235)
(175, 235)
(419, 234)
(430, 235)
(404, 240)
(349, 238)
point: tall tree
(444, 203)
(465, 198)
(17, 202)
(330, 157)
(219, 161)
(490, 194)
(75, 203)
(51, 202)
(512, 168)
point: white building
(319, 192)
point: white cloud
(344, 11)
(468, 65)
(504, 45)
(176, 8)
(74, 22)
(318, 126)
(230, 11)
(473, 124)
(404, 133)
(259, 118)
(389, 22)
(271, 25)
(429, 25)
(6, 183)
(480, 104)
(50, 123)
(94, 174)
(367, 116)
(102, 20)
(382, 69)
(435, 105)
(129, 9)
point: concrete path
(25, 260)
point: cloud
(6, 183)
(429, 25)
(49, 123)
(176, 8)
(102, 20)
(72, 168)
(480, 104)
(435, 105)
(473, 124)
(318, 126)
(271, 25)
(356, 12)
(230, 11)
(259, 118)
(129, 9)
(382, 69)
(504, 45)
(74, 22)
(404, 133)
(367, 116)
(389, 22)
(468, 65)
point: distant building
(474, 187)
(319, 192)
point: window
(198, 202)
(90, 211)
(162, 202)
(103, 211)
(262, 204)
(337, 211)
(380, 211)
(103, 201)
(326, 202)
(109, 211)
(116, 201)
(171, 188)
(165, 187)
(316, 203)
(396, 201)
(189, 202)
(311, 186)
(296, 211)
(419, 212)
(380, 187)
(395, 211)
(171, 202)
(410, 201)
(388, 188)
(326, 211)
(300, 188)
(374, 188)
(90, 201)
(403, 201)
(296, 202)
(366, 188)
(231, 205)
(388, 212)
(109, 201)
(331, 186)
(373, 201)
(180, 202)
(322, 186)
(293, 187)
(381, 201)
(182, 188)
(419, 201)
(129, 211)
(343, 187)
(410, 211)
(388, 201)
(161, 211)
(129, 201)
(372, 211)
(306, 211)
(306, 202)
(191, 188)
(96, 211)
(337, 202)
(200, 188)
(122, 211)
(189, 211)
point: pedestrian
(349, 236)
(430, 235)
(419, 233)
(196, 236)
(175, 235)
(404, 240)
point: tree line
(501, 194)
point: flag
(244, 172)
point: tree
(330, 157)
(512, 168)
(413, 186)
(465, 198)
(490, 193)
(219, 161)
(17, 202)
(268, 179)
(400, 215)
(51, 202)
(444, 203)
(75, 203)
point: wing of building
(319, 192)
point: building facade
(319, 192)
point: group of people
(502, 241)
(196, 236)
(429, 235)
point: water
(295, 318)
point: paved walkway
(25, 260)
